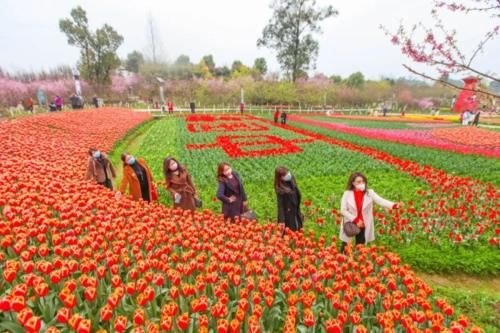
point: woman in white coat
(357, 206)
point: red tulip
(106, 312)
(308, 318)
(33, 325)
(24, 315)
(63, 315)
(222, 326)
(333, 326)
(120, 323)
(17, 303)
(183, 321)
(84, 326)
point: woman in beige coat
(357, 206)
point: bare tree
(154, 47)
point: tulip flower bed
(421, 138)
(469, 135)
(464, 165)
(442, 219)
(414, 118)
(378, 122)
(75, 258)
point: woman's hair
(166, 167)
(91, 151)
(279, 184)
(220, 170)
(352, 178)
(123, 157)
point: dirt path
(489, 285)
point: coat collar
(230, 185)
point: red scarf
(358, 198)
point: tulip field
(76, 258)
(449, 222)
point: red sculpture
(467, 99)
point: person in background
(52, 106)
(95, 101)
(242, 107)
(475, 122)
(58, 101)
(179, 183)
(100, 169)
(357, 206)
(170, 106)
(288, 195)
(192, 106)
(283, 117)
(76, 102)
(28, 104)
(137, 177)
(276, 115)
(466, 118)
(230, 192)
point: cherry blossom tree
(437, 45)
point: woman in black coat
(288, 195)
(230, 192)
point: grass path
(129, 143)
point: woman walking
(180, 185)
(137, 177)
(230, 192)
(356, 207)
(288, 195)
(100, 169)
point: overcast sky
(228, 29)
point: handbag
(249, 215)
(351, 229)
(197, 202)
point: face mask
(173, 166)
(131, 160)
(228, 172)
(97, 154)
(287, 177)
(360, 187)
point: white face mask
(173, 166)
(287, 177)
(360, 187)
(228, 172)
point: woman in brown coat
(137, 177)
(100, 169)
(179, 183)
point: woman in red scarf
(357, 206)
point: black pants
(231, 219)
(360, 239)
(108, 184)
